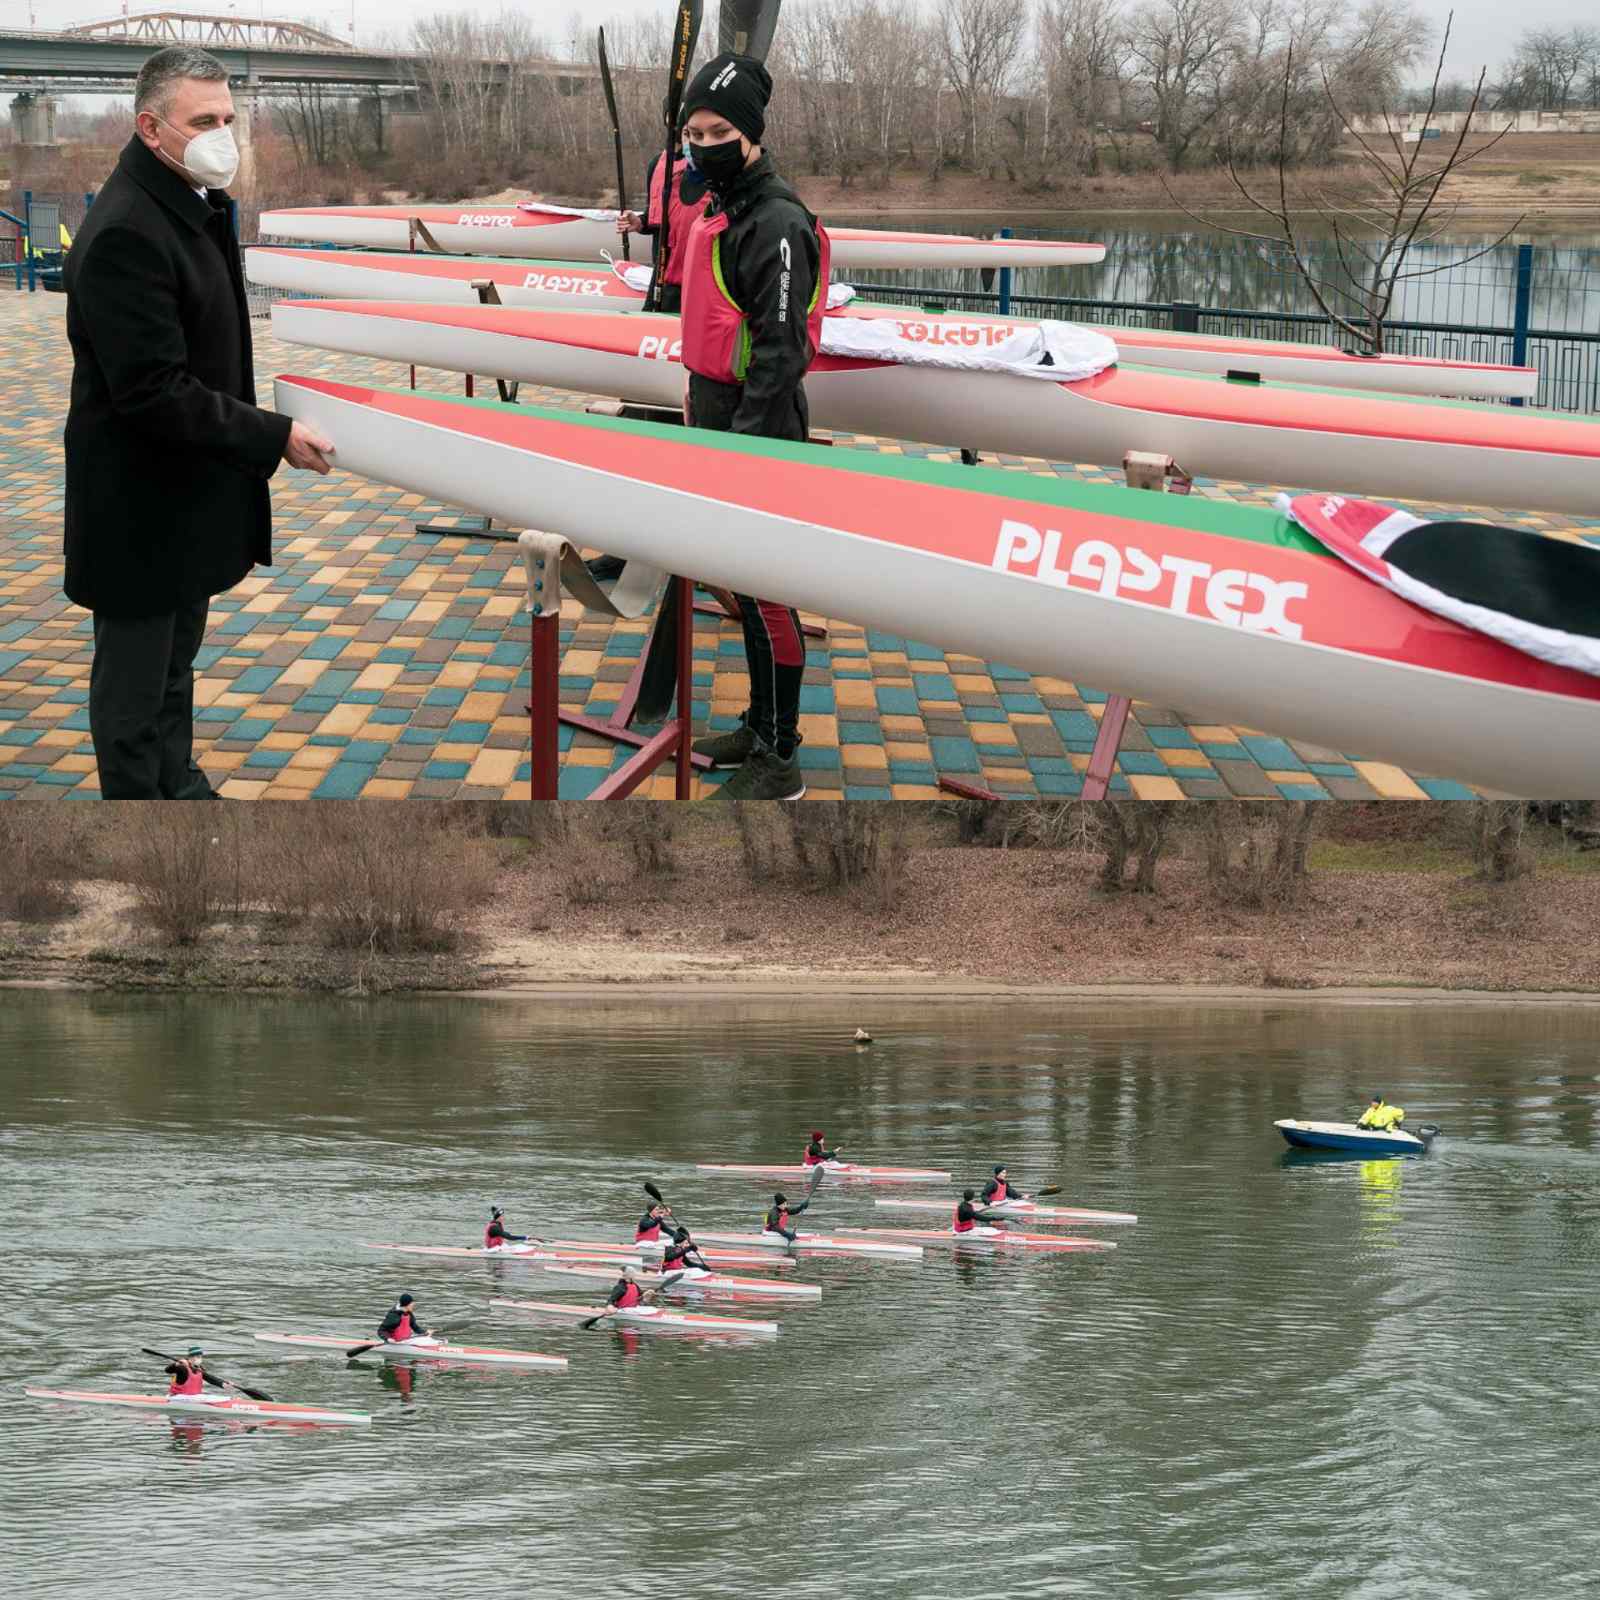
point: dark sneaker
(730, 749)
(765, 776)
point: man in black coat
(167, 453)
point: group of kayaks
(1482, 663)
(694, 1271)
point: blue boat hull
(1350, 1140)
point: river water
(1292, 1378)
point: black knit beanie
(737, 88)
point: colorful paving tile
(373, 660)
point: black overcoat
(167, 454)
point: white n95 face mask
(211, 158)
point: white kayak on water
(421, 1349)
(661, 1319)
(225, 1408)
(1031, 1209)
(578, 286)
(1347, 443)
(844, 1171)
(987, 1234)
(827, 1243)
(694, 1282)
(554, 233)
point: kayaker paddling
(777, 1219)
(1380, 1116)
(966, 1218)
(495, 1236)
(187, 1372)
(402, 1322)
(627, 1292)
(683, 1254)
(1000, 1188)
(817, 1152)
(648, 1230)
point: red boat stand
(1143, 470)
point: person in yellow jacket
(37, 247)
(1381, 1116)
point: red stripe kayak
(426, 1349)
(1227, 609)
(226, 1408)
(702, 1283)
(624, 1253)
(658, 1319)
(1000, 1238)
(1348, 443)
(845, 1171)
(575, 286)
(531, 1253)
(552, 234)
(1030, 1209)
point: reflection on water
(1286, 1366)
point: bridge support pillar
(245, 107)
(33, 120)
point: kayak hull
(534, 1255)
(1223, 609)
(993, 1238)
(829, 1243)
(577, 286)
(417, 1350)
(1346, 443)
(553, 236)
(655, 1319)
(1027, 1210)
(1347, 1137)
(226, 1409)
(624, 1253)
(714, 1283)
(845, 1172)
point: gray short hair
(160, 75)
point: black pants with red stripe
(774, 646)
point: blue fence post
(27, 233)
(1519, 321)
(1005, 282)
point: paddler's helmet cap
(496, 1211)
(195, 1350)
(406, 1300)
(780, 1199)
(1001, 1168)
(968, 1194)
(1377, 1099)
(816, 1133)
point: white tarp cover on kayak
(1538, 595)
(1061, 352)
(568, 211)
(638, 275)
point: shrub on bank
(41, 852)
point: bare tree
(1182, 51)
(1396, 205)
(979, 44)
(1081, 49)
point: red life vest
(631, 1296)
(680, 218)
(648, 1235)
(960, 1226)
(406, 1328)
(1001, 1193)
(716, 332)
(192, 1384)
(491, 1239)
(810, 1160)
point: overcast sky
(1484, 29)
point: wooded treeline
(1034, 92)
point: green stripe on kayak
(1252, 523)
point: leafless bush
(647, 830)
(1499, 830)
(183, 863)
(41, 851)
(854, 844)
(1131, 831)
(1257, 857)
(758, 839)
(1062, 825)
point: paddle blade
(361, 1349)
(816, 1180)
(1049, 1188)
(746, 27)
(253, 1394)
(654, 1193)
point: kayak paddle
(361, 1349)
(649, 1294)
(746, 27)
(616, 137)
(217, 1382)
(685, 35)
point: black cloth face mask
(720, 164)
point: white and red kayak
(1230, 611)
(827, 1243)
(428, 1349)
(1030, 1209)
(983, 1234)
(623, 1253)
(532, 1253)
(556, 234)
(577, 286)
(694, 1282)
(845, 1171)
(226, 1408)
(1352, 444)
(660, 1318)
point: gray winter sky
(1485, 30)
